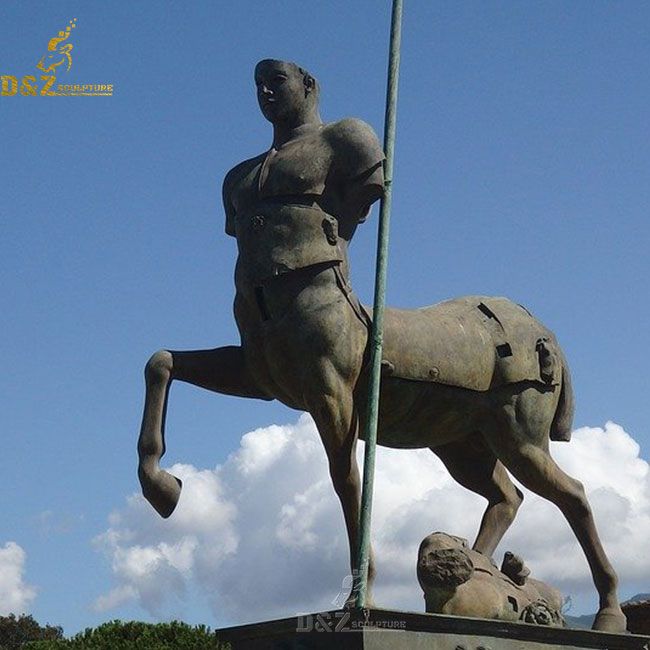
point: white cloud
(15, 595)
(152, 559)
(115, 598)
(262, 535)
(56, 523)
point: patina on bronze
(458, 580)
(477, 380)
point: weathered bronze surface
(478, 380)
(475, 342)
(460, 581)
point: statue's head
(285, 91)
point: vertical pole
(378, 311)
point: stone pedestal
(638, 616)
(379, 629)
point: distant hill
(639, 598)
(586, 621)
(581, 622)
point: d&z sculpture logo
(57, 59)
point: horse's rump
(475, 342)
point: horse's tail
(563, 418)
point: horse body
(307, 339)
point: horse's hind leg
(476, 468)
(222, 370)
(525, 452)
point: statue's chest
(300, 167)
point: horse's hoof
(610, 619)
(161, 490)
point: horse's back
(473, 342)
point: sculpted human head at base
(286, 93)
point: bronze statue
(478, 380)
(460, 581)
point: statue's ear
(310, 84)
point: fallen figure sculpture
(460, 581)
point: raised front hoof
(161, 490)
(610, 619)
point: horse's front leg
(336, 418)
(222, 370)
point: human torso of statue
(299, 205)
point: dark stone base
(379, 629)
(638, 616)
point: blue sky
(522, 169)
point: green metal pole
(378, 312)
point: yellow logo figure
(57, 59)
(56, 53)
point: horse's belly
(414, 414)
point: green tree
(133, 635)
(15, 632)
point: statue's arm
(230, 182)
(359, 160)
(228, 207)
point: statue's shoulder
(355, 145)
(351, 132)
(239, 171)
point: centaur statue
(477, 380)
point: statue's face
(281, 90)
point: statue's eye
(279, 78)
